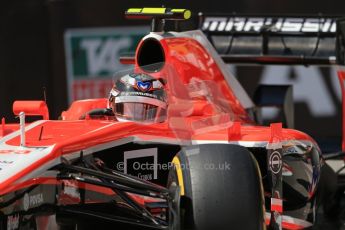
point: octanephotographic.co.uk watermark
(146, 166)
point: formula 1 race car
(177, 144)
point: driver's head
(138, 97)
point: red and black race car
(177, 145)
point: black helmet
(139, 97)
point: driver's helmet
(139, 97)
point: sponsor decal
(281, 24)
(26, 202)
(275, 162)
(144, 86)
(290, 150)
(13, 222)
(145, 176)
(287, 170)
(15, 151)
(93, 55)
(277, 205)
(32, 201)
(114, 92)
(71, 189)
(138, 94)
(5, 162)
(141, 163)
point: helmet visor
(140, 112)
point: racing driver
(138, 97)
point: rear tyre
(220, 187)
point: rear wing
(296, 40)
(316, 40)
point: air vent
(151, 56)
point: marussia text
(257, 24)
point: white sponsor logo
(71, 189)
(137, 155)
(26, 202)
(244, 24)
(103, 55)
(275, 162)
(139, 94)
(15, 151)
(13, 222)
(145, 176)
(32, 201)
(5, 162)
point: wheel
(220, 188)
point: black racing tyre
(220, 187)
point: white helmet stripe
(114, 92)
(157, 84)
(128, 80)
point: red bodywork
(71, 135)
(190, 58)
(341, 76)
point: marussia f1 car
(177, 145)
